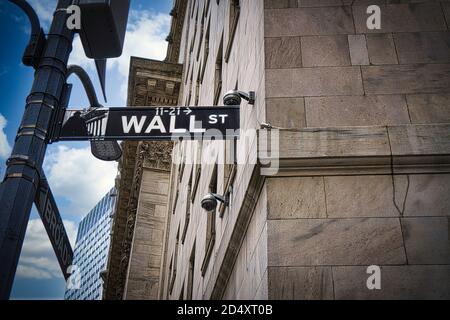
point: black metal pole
(19, 187)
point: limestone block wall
(326, 68)
(143, 272)
(363, 103)
(243, 67)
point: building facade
(342, 169)
(91, 250)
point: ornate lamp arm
(35, 47)
(87, 84)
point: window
(188, 209)
(235, 11)
(206, 8)
(206, 53)
(170, 279)
(202, 30)
(181, 294)
(229, 168)
(174, 205)
(192, 9)
(195, 33)
(210, 224)
(197, 169)
(197, 90)
(174, 265)
(218, 74)
(182, 165)
(190, 284)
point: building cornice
(174, 38)
(407, 149)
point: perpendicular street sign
(150, 123)
(53, 224)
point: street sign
(48, 210)
(151, 123)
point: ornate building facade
(342, 164)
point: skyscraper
(91, 250)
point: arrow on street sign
(150, 123)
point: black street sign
(46, 205)
(150, 123)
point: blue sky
(78, 180)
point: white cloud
(38, 260)
(145, 37)
(78, 177)
(5, 148)
(27, 272)
(44, 10)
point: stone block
(262, 292)
(306, 199)
(283, 52)
(279, 4)
(423, 47)
(308, 21)
(286, 112)
(356, 111)
(319, 3)
(413, 17)
(429, 195)
(316, 242)
(324, 81)
(300, 283)
(426, 240)
(358, 49)
(397, 282)
(362, 196)
(420, 140)
(319, 51)
(429, 108)
(446, 7)
(406, 79)
(381, 49)
(331, 142)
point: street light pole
(22, 176)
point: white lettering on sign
(156, 124)
(133, 123)
(56, 231)
(193, 127)
(136, 125)
(173, 129)
(213, 119)
(223, 117)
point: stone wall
(368, 150)
(363, 117)
(244, 67)
(327, 69)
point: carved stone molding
(360, 150)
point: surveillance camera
(209, 202)
(234, 97)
